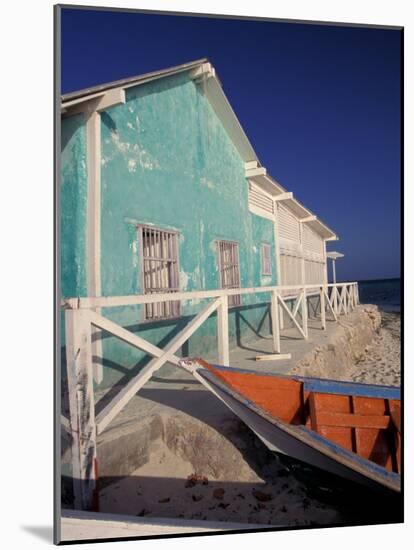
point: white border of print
(27, 267)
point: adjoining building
(161, 191)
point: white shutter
(288, 225)
(258, 200)
(313, 248)
(312, 242)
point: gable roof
(202, 71)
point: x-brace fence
(80, 318)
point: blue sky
(320, 105)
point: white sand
(158, 489)
(380, 363)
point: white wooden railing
(81, 317)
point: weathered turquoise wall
(167, 161)
(73, 199)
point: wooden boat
(345, 428)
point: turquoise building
(161, 191)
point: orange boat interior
(368, 426)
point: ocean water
(385, 293)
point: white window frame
(168, 239)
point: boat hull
(298, 441)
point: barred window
(160, 272)
(228, 264)
(266, 260)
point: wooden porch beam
(129, 337)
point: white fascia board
(81, 100)
(204, 71)
(98, 102)
(218, 100)
(254, 172)
(283, 196)
(131, 81)
(112, 98)
(308, 219)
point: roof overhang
(279, 193)
(334, 255)
(203, 74)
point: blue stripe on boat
(325, 385)
(340, 388)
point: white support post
(275, 321)
(335, 291)
(281, 318)
(223, 332)
(277, 253)
(322, 302)
(305, 313)
(329, 302)
(343, 299)
(81, 408)
(93, 136)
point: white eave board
(225, 113)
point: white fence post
(345, 297)
(304, 313)
(81, 408)
(335, 290)
(322, 301)
(274, 312)
(223, 332)
(281, 318)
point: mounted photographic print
(228, 264)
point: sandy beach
(167, 487)
(380, 363)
